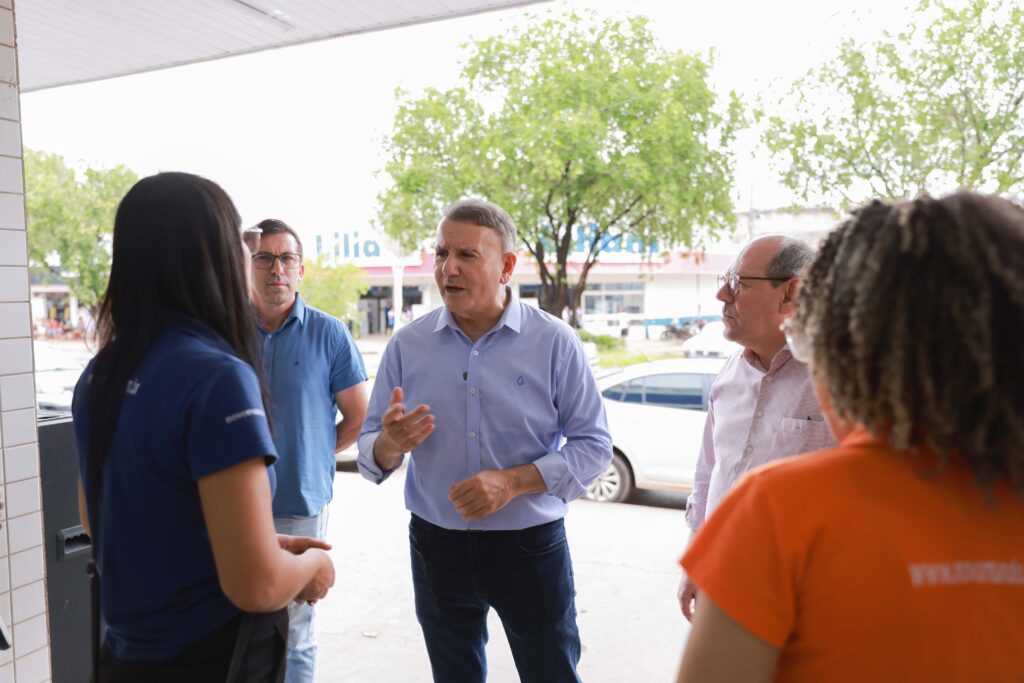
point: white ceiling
(61, 42)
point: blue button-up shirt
(306, 361)
(523, 393)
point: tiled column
(22, 559)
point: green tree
(586, 131)
(71, 220)
(334, 289)
(936, 106)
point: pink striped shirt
(754, 416)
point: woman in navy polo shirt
(175, 452)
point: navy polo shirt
(191, 409)
(306, 361)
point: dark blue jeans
(526, 576)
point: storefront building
(626, 289)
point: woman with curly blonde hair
(898, 555)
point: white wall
(22, 560)
(673, 296)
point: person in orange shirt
(898, 555)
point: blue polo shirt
(306, 361)
(191, 409)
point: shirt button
(472, 435)
(476, 353)
(748, 449)
(759, 413)
(472, 391)
(767, 379)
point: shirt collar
(781, 358)
(196, 328)
(860, 436)
(511, 317)
(298, 310)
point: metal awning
(61, 42)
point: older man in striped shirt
(761, 407)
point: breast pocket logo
(520, 381)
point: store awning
(61, 43)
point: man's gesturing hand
(489, 491)
(400, 431)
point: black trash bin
(68, 551)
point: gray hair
(793, 256)
(486, 214)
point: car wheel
(614, 485)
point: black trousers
(208, 660)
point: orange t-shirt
(862, 564)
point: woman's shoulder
(188, 361)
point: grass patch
(621, 357)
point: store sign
(353, 247)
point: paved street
(625, 568)
(624, 556)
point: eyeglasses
(265, 260)
(251, 239)
(733, 281)
(798, 340)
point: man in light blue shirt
(508, 427)
(313, 369)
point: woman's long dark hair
(177, 249)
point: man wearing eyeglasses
(313, 370)
(761, 406)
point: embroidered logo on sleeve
(248, 412)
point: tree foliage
(70, 221)
(936, 106)
(334, 289)
(587, 132)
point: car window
(676, 390)
(628, 392)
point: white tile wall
(19, 427)
(13, 282)
(13, 247)
(10, 107)
(10, 131)
(34, 668)
(21, 462)
(12, 206)
(21, 573)
(7, 28)
(28, 601)
(22, 498)
(25, 532)
(29, 636)
(5, 614)
(26, 567)
(17, 392)
(8, 65)
(10, 174)
(15, 356)
(15, 318)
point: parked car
(710, 342)
(656, 413)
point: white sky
(296, 133)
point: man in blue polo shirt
(313, 370)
